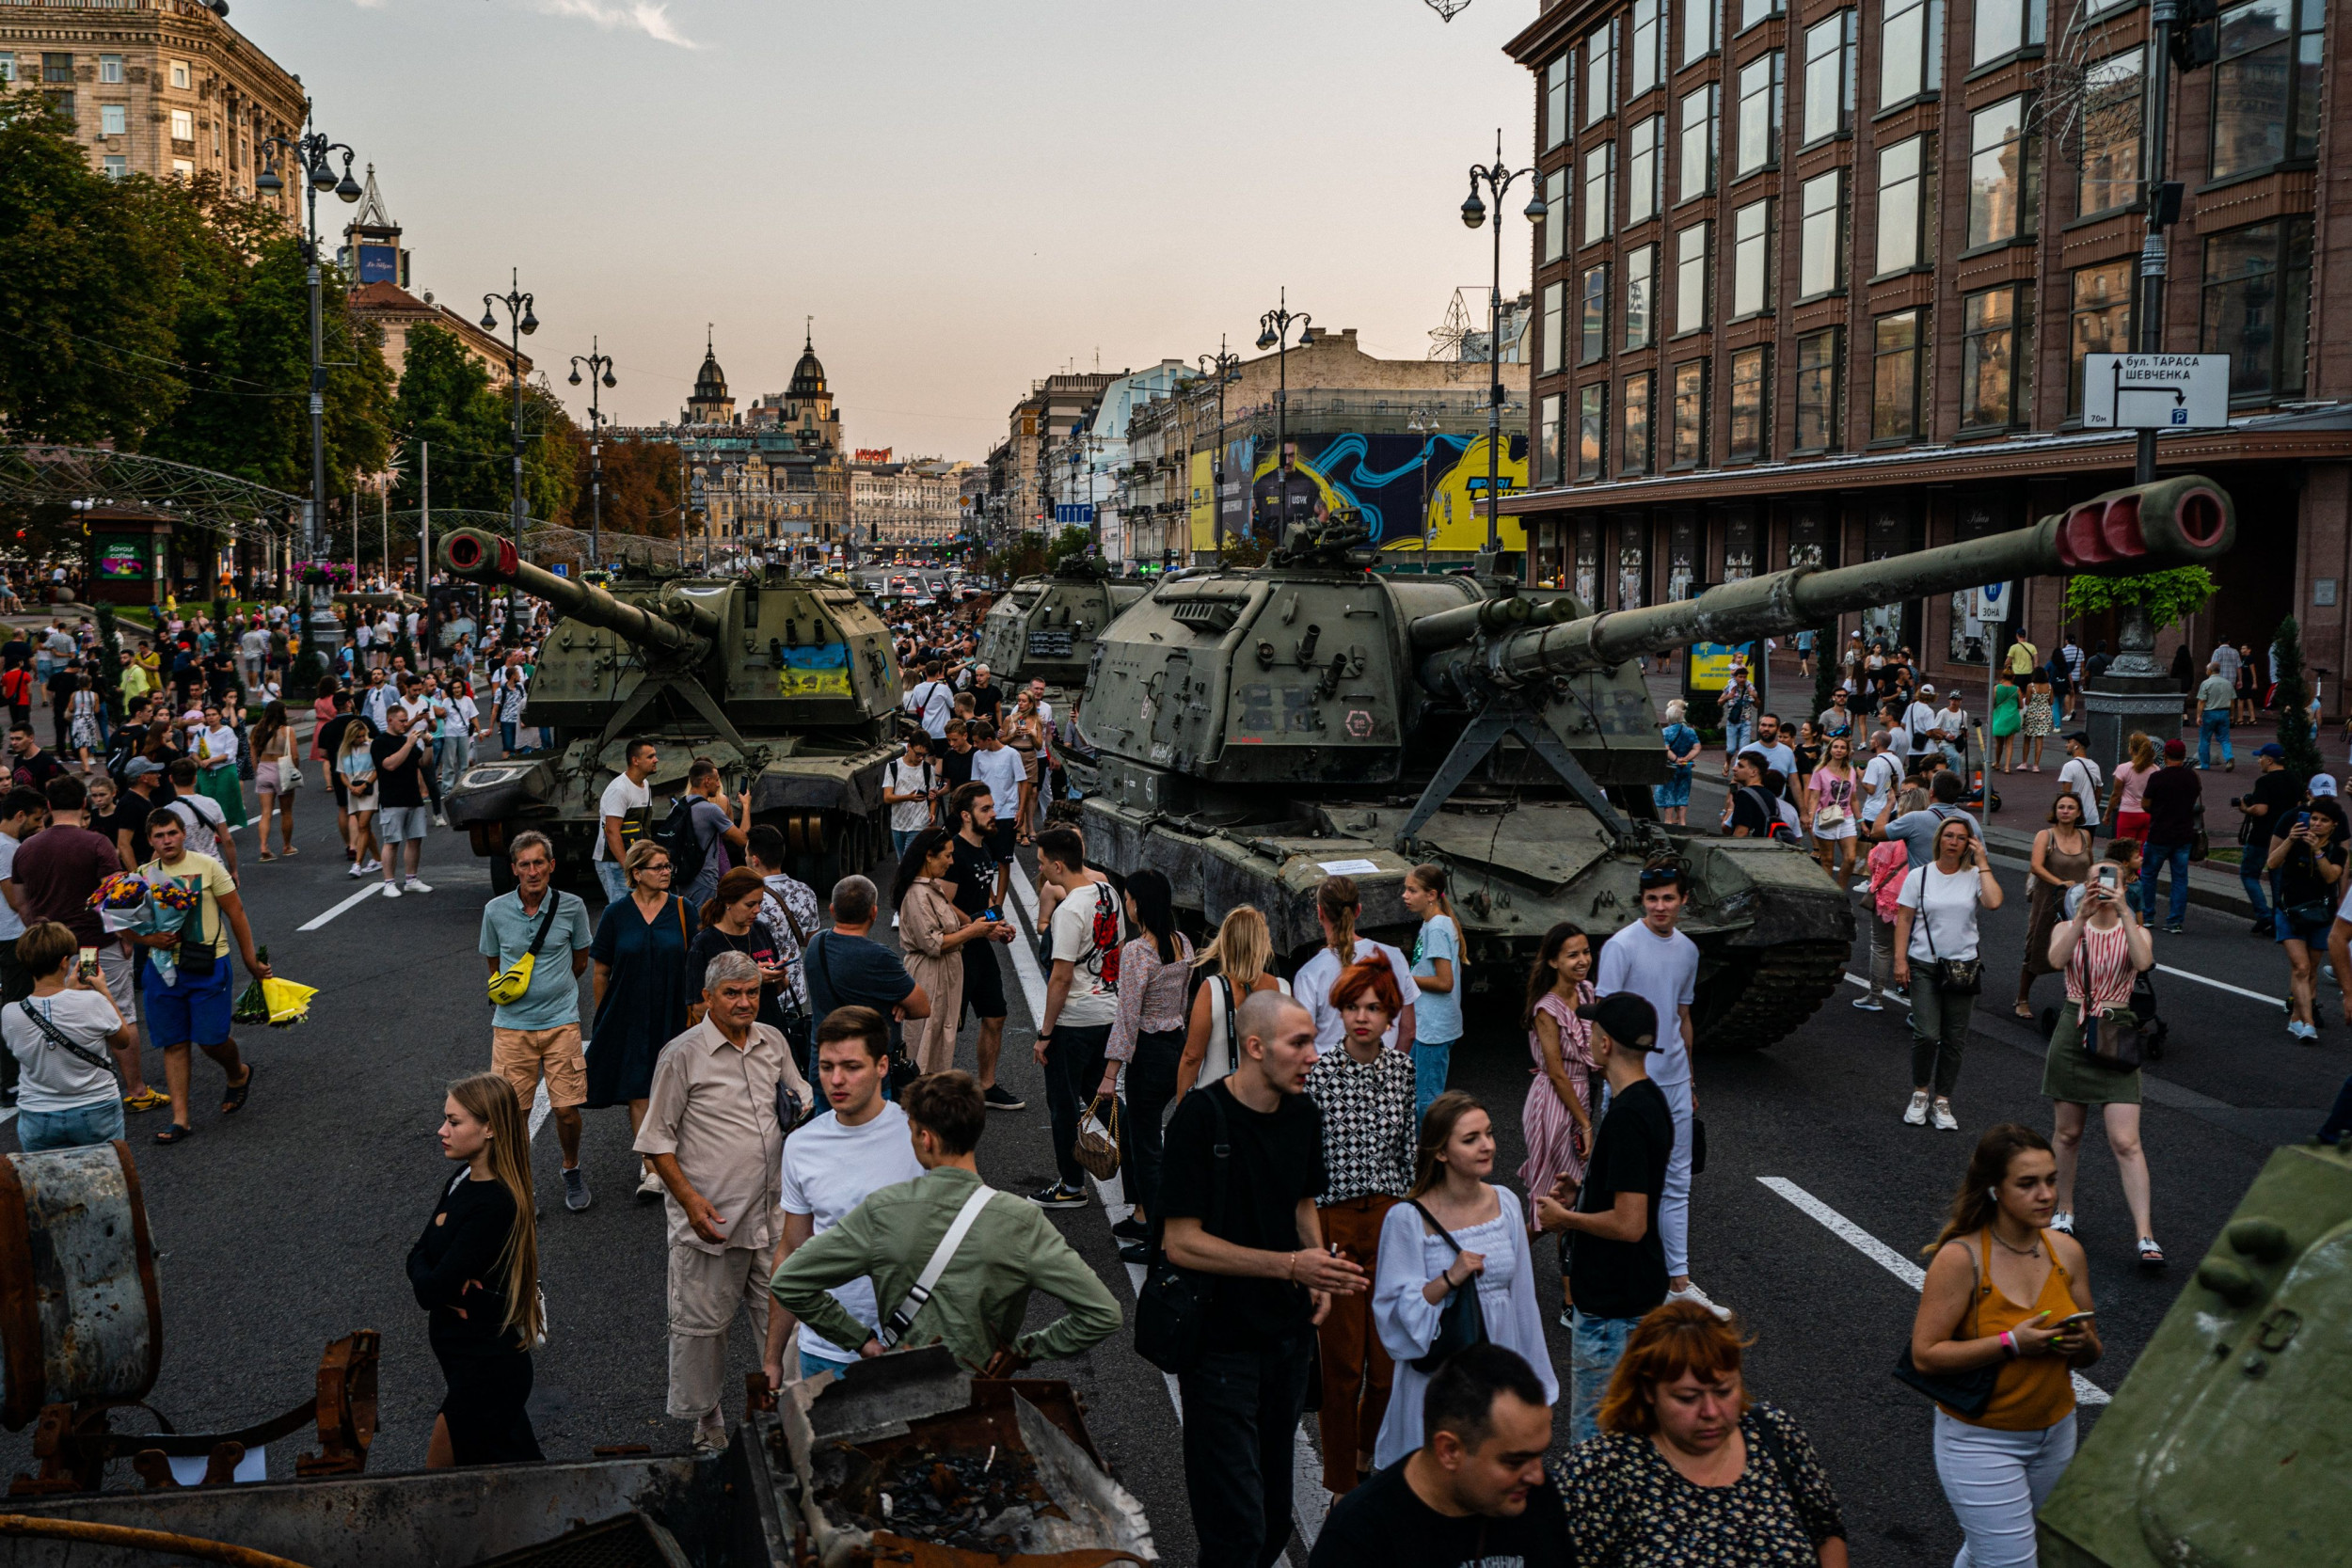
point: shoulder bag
(1461, 1322)
(56, 1036)
(893, 1328)
(1172, 1308)
(197, 961)
(511, 983)
(1967, 1392)
(1097, 1148)
(1953, 976)
(2111, 1037)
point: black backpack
(675, 834)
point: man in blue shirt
(536, 1033)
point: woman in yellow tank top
(2004, 1291)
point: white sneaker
(1945, 1120)
(370, 864)
(1918, 1114)
(357, 871)
(1868, 1005)
(649, 1187)
(1697, 1297)
(392, 889)
(413, 885)
(2063, 1223)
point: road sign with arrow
(2155, 392)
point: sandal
(2150, 1254)
(2024, 1010)
(175, 1133)
(232, 1097)
(267, 856)
(289, 853)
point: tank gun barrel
(2177, 522)
(481, 557)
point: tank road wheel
(1750, 997)
(502, 873)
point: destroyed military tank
(1256, 731)
(1045, 627)
(788, 683)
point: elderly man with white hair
(714, 1131)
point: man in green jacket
(979, 1303)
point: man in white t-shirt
(910, 786)
(834, 1164)
(999, 767)
(1657, 962)
(932, 703)
(1882, 774)
(1952, 718)
(627, 792)
(1081, 999)
(2081, 775)
(207, 824)
(1920, 721)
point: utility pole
(2162, 15)
(424, 514)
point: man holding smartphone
(979, 877)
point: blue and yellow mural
(1404, 486)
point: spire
(809, 339)
(372, 212)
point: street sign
(1989, 603)
(2155, 392)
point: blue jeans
(2215, 724)
(1595, 1347)
(2253, 879)
(36, 1131)
(1430, 1060)
(2157, 857)
(900, 838)
(812, 1364)
(1737, 733)
(613, 880)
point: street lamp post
(1499, 178)
(312, 152)
(519, 320)
(1424, 423)
(599, 374)
(1222, 366)
(1274, 333)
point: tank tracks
(1758, 996)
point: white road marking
(373, 890)
(1887, 1258)
(539, 1108)
(2223, 985)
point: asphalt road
(287, 1224)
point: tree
(641, 488)
(1073, 544)
(2293, 703)
(449, 400)
(2165, 596)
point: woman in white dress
(1453, 1231)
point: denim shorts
(192, 1012)
(2311, 933)
(36, 1131)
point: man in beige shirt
(712, 1133)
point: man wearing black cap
(1617, 1262)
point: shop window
(1996, 358)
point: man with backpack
(1081, 1000)
(1754, 808)
(697, 826)
(932, 703)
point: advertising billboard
(120, 560)
(1407, 488)
(1203, 508)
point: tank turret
(789, 684)
(1250, 730)
(1044, 628)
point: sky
(965, 197)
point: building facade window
(1696, 136)
(56, 69)
(1645, 48)
(1751, 433)
(1829, 76)
(182, 170)
(1592, 432)
(1592, 328)
(118, 167)
(1641, 287)
(1556, 102)
(1554, 295)
(1689, 415)
(1698, 30)
(2257, 304)
(1555, 214)
(1818, 391)
(1600, 74)
(1600, 181)
(1821, 235)
(1898, 344)
(182, 125)
(2266, 85)
(180, 75)
(1906, 200)
(1754, 11)
(1548, 438)
(114, 119)
(1751, 259)
(1645, 170)
(2004, 174)
(2110, 133)
(1634, 443)
(7, 67)
(1910, 53)
(1996, 358)
(1758, 143)
(1691, 278)
(110, 68)
(2006, 26)
(2099, 321)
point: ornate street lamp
(599, 374)
(1498, 179)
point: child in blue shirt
(1438, 971)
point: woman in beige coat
(933, 932)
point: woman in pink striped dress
(1557, 1120)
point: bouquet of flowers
(279, 1003)
(131, 904)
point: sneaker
(1568, 1319)
(649, 1188)
(2299, 1030)
(1868, 1005)
(413, 885)
(2063, 1223)
(357, 870)
(439, 820)
(2173, 928)
(371, 863)
(392, 889)
(1943, 1117)
(710, 1433)
(1059, 1196)
(1697, 1297)
(998, 1098)
(576, 1193)
(1131, 1230)
(1917, 1113)
(1135, 1252)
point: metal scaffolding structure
(83, 477)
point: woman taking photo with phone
(2099, 947)
(476, 1270)
(2307, 863)
(2061, 859)
(1437, 972)
(1935, 938)
(932, 932)
(2004, 1294)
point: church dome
(711, 383)
(808, 376)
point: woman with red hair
(1365, 1093)
(1686, 1470)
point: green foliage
(1023, 558)
(1244, 551)
(2167, 597)
(2294, 704)
(1072, 544)
(449, 402)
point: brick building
(1818, 280)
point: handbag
(2199, 842)
(1172, 1308)
(1953, 976)
(2112, 1036)
(1967, 1392)
(1097, 1148)
(1461, 1321)
(511, 983)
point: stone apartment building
(1818, 280)
(162, 88)
(1055, 406)
(912, 501)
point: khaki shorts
(120, 972)
(520, 1055)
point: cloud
(638, 16)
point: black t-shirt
(853, 972)
(986, 699)
(957, 768)
(973, 875)
(63, 684)
(1753, 808)
(2275, 790)
(2299, 882)
(130, 814)
(2170, 801)
(1623, 1279)
(1275, 1161)
(15, 651)
(403, 785)
(1383, 1521)
(220, 671)
(37, 770)
(759, 945)
(330, 736)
